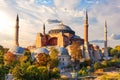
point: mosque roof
(75, 36)
(41, 50)
(62, 51)
(17, 50)
(61, 28)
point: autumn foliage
(42, 59)
(9, 58)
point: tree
(54, 57)
(76, 54)
(76, 51)
(83, 72)
(42, 59)
(45, 74)
(10, 60)
(55, 73)
(33, 73)
(1, 55)
(54, 53)
(19, 72)
(3, 71)
(109, 49)
(113, 52)
(53, 63)
(6, 50)
(97, 65)
(118, 48)
(1, 50)
(26, 58)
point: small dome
(75, 36)
(62, 51)
(61, 28)
(41, 50)
(17, 50)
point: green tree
(55, 73)
(26, 58)
(54, 63)
(54, 57)
(118, 48)
(33, 73)
(54, 53)
(83, 72)
(109, 49)
(1, 55)
(113, 52)
(3, 71)
(44, 73)
(19, 72)
(98, 65)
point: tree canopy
(42, 59)
(54, 53)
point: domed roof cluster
(17, 50)
(62, 51)
(41, 50)
(61, 28)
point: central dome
(61, 28)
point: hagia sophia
(61, 37)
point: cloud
(50, 21)
(105, 10)
(33, 14)
(97, 41)
(66, 4)
(115, 36)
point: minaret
(17, 32)
(43, 29)
(86, 36)
(86, 29)
(105, 41)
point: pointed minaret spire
(86, 52)
(105, 40)
(86, 17)
(17, 31)
(43, 28)
(17, 19)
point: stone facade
(61, 36)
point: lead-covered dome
(61, 28)
(17, 50)
(62, 51)
(41, 50)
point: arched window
(53, 41)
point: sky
(33, 13)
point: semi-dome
(41, 50)
(17, 50)
(75, 36)
(62, 51)
(61, 28)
